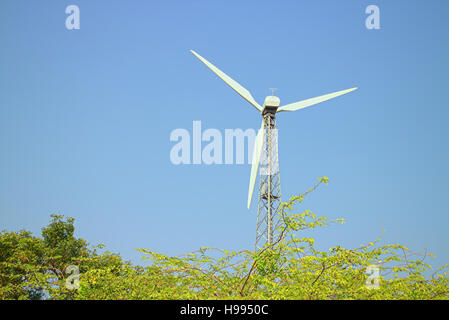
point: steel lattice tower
(268, 219)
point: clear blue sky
(86, 115)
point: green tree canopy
(290, 268)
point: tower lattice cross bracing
(269, 221)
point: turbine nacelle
(271, 104)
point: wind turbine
(265, 148)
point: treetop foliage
(291, 268)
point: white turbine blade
(310, 102)
(245, 94)
(258, 143)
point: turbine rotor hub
(271, 104)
